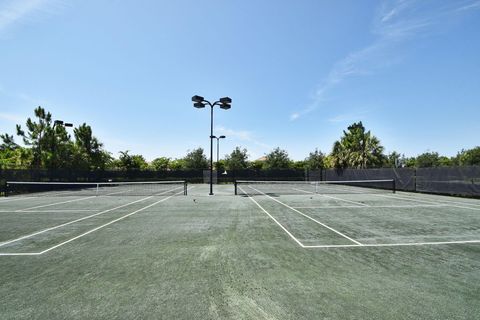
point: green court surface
(312, 256)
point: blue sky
(299, 72)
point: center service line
(275, 220)
(308, 217)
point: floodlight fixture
(223, 103)
(197, 99)
(225, 100)
(56, 123)
(61, 123)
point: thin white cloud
(241, 135)
(348, 117)
(13, 12)
(10, 117)
(35, 102)
(394, 24)
(470, 6)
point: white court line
(78, 220)
(70, 222)
(10, 199)
(108, 223)
(350, 201)
(304, 191)
(393, 244)
(359, 244)
(53, 204)
(423, 201)
(39, 253)
(405, 197)
(430, 197)
(62, 202)
(308, 217)
(335, 198)
(275, 220)
(385, 206)
(20, 254)
(55, 210)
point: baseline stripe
(20, 254)
(394, 244)
(385, 206)
(425, 201)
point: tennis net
(148, 188)
(244, 187)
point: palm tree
(357, 148)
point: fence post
(415, 180)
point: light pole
(224, 103)
(58, 123)
(218, 144)
(61, 123)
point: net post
(394, 186)
(235, 184)
(185, 188)
(97, 189)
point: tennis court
(273, 251)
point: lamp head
(225, 103)
(221, 137)
(225, 100)
(199, 105)
(68, 124)
(58, 122)
(197, 99)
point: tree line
(50, 146)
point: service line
(308, 217)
